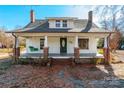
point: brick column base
(16, 52)
(106, 53)
(46, 52)
(76, 52)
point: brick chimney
(32, 16)
(89, 23)
(90, 16)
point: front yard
(64, 75)
(79, 76)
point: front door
(63, 45)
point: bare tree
(115, 40)
(6, 39)
(111, 17)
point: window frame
(58, 24)
(79, 39)
(42, 46)
(64, 23)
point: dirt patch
(79, 76)
(118, 57)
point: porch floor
(40, 55)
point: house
(62, 37)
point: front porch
(64, 46)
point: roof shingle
(80, 25)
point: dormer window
(57, 23)
(64, 23)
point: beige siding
(52, 24)
(92, 45)
(54, 44)
(70, 44)
(35, 42)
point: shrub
(98, 60)
(5, 65)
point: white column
(76, 41)
(45, 42)
(105, 42)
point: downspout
(14, 43)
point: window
(83, 43)
(41, 43)
(57, 23)
(64, 23)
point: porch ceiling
(63, 34)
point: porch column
(16, 48)
(76, 48)
(46, 49)
(45, 42)
(105, 42)
(106, 52)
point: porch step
(83, 60)
(61, 61)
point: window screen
(83, 43)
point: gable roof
(39, 26)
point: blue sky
(14, 16)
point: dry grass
(9, 50)
(6, 50)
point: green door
(63, 45)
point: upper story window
(57, 23)
(64, 24)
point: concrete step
(61, 61)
